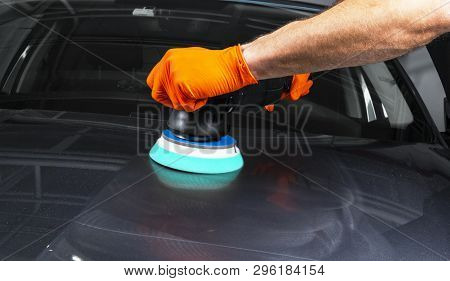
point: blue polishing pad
(223, 142)
(217, 157)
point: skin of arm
(351, 33)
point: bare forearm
(354, 32)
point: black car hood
(83, 191)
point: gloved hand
(299, 87)
(186, 77)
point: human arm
(351, 33)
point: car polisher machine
(198, 142)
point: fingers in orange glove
(186, 77)
(270, 107)
(158, 94)
(300, 87)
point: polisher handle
(211, 121)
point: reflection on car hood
(84, 192)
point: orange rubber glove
(186, 77)
(300, 87)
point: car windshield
(79, 57)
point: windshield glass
(79, 57)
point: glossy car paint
(81, 186)
(81, 191)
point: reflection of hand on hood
(285, 181)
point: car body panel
(83, 192)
